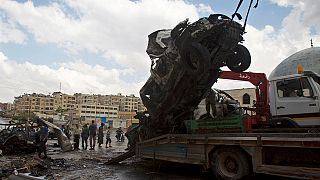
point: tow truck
(268, 142)
(290, 101)
(185, 63)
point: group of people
(87, 132)
(91, 132)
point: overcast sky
(98, 46)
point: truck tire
(230, 163)
(240, 60)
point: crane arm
(262, 84)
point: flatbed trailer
(237, 155)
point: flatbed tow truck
(236, 153)
(185, 64)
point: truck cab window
(306, 88)
(294, 88)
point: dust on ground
(89, 164)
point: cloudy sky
(98, 46)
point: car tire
(240, 59)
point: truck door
(296, 98)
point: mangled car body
(185, 64)
(21, 138)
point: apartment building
(92, 111)
(64, 101)
(117, 110)
(34, 103)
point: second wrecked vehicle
(21, 138)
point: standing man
(85, 136)
(108, 139)
(76, 137)
(119, 133)
(43, 137)
(100, 134)
(93, 134)
(211, 101)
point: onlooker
(85, 136)
(100, 134)
(108, 139)
(93, 134)
(76, 137)
(43, 137)
(119, 134)
(67, 132)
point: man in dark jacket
(100, 134)
(92, 135)
(85, 136)
(76, 137)
(43, 134)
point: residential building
(100, 113)
(82, 107)
(34, 103)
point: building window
(246, 99)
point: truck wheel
(230, 163)
(240, 60)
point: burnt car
(16, 139)
(186, 62)
(19, 138)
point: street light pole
(131, 110)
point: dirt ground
(89, 164)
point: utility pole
(95, 108)
(131, 109)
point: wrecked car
(185, 63)
(21, 138)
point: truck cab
(296, 96)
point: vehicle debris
(21, 138)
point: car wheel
(240, 59)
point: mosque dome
(309, 59)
